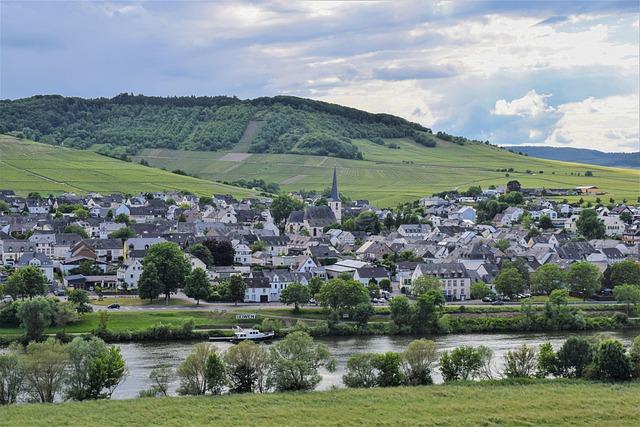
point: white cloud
(535, 133)
(605, 124)
(530, 105)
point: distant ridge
(581, 155)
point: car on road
(487, 299)
(497, 302)
(113, 306)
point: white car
(7, 299)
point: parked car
(487, 299)
(113, 306)
(498, 302)
(7, 299)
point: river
(141, 358)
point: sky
(557, 73)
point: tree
(545, 222)
(512, 198)
(65, 313)
(389, 369)
(27, 282)
(192, 371)
(296, 294)
(11, 378)
(74, 228)
(574, 356)
(160, 378)
(81, 300)
(45, 369)
(547, 361)
(389, 221)
(367, 221)
(611, 361)
(385, 285)
(634, 354)
(149, 284)
(222, 251)
(171, 265)
(417, 362)
(95, 369)
(423, 284)
(360, 372)
(201, 252)
(236, 288)
(513, 185)
(248, 368)
(502, 244)
(480, 290)
(215, 373)
(548, 278)
(35, 315)
(627, 294)
(315, 283)
(627, 217)
(373, 288)
(462, 363)
(87, 267)
(584, 277)
(427, 311)
(296, 360)
(81, 213)
(510, 282)
(400, 310)
(520, 363)
(198, 286)
(123, 233)
(282, 206)
(342, 295)
(589, 225)
(123, 219)
(625, 272)
(362, 313)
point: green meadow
(27, 166)
(534, 403)
(388, 176)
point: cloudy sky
(559, 73)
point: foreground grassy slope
(550, 403)
(27, 166)
(387, 176)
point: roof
(335, 196)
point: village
(98, 242)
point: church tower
(334, 202)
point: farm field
(27, 166)
(388, 176)
(539, 403)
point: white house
(242, 254)
(129, 273)
(38, 260)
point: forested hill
(582, 155)
(125, 124)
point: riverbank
(535, 402)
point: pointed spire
(335, 196)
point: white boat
(240, 334)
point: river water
(142, 358)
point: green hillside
(27, 166)
(387, 175)
(551, 403)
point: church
(313, 219)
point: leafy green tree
(545, 222)
(171, 265)
(462, 363)
(295, 362)
(400, 310)
(201, 252)
(282, 206)
(480, 290)
(149, 284)
(627, 294)
(342, 295)
(611, 361)
(418, 360)
(193, 372)
(74, 228)
(512, 198)
(510, 282)
(627, 217)
(574, 356)
(248, 367)
(81, 300)
(373, 289)
(502, 244)
(362, 313)
(65, 313)
(427, 311)
(625, 272)
(584, 277)
(548, 278)
(81, 213)
(123, 233)
(95, 369)
(424, 284)
(236, 288)
(160, 378)
(87, 267)
(45, 369)
(589, 225)
(221, 250)
(11, 378)
(389, 369)
(198, 285)
(26, 282)
(385, 285)
(360, 372)
(520, 363)
(35, 315)
(123, 219)
(634, 355)
(215, 373)
(315, 284)
(296, 294)
(547, 361)
(367, 221)
(4, 207)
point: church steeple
(334, 201)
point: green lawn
(125, 300)
(388, 176)
(27, 166)
(550, 403)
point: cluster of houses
(446, 243)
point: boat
(240, 334)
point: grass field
(388, 176)
(27, 166)
(547, 403)
(132, 300)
